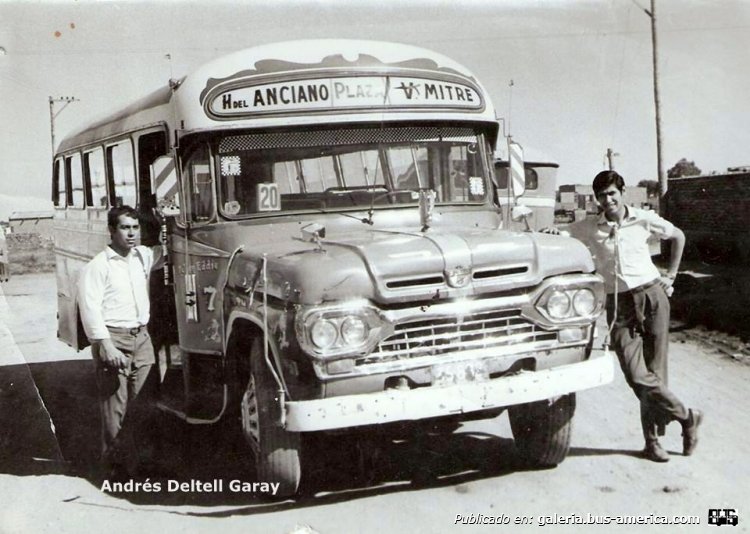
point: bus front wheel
(276, 451)
(542, 430)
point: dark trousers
(126, 398)
(640, 338)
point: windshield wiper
(387, 194)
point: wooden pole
(660, 165)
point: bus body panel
(79, 234)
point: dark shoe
(654, 452)
(690, 431)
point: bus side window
(93, 169)
(150, 146)
(74, 176)
(122, 174)
(532, 179)
(501, 178)
(200, 182)
(59, 185)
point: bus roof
(307, 82)
(531, 155)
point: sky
(581, 70)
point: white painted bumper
(421, 403)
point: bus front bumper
(413, 404)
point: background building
(31, 222)
(572, 197)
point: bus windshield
(350, 168)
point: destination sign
(356, 92)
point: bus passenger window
(75, 179)
(122, 171)
(60, 191)
(501, 175)
(319, 173)
(198, 171)
(532, 179)
(286, 177)
(94, 172)
(410, 167)
(361, 168)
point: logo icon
(722, 516)
(458, 277)
(409, 90)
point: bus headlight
(354, 330)
(584, 301)
(558, 305)
(342, 330)
(323, 333)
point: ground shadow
(339, 467)
(586, 451)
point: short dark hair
(113, 215)
(606, 178)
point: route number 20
(268, 197)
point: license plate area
(451, 374)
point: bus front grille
(437, 337)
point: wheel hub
(250, 420)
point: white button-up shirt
(627, 242)
(113, 291)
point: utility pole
(611, 154)
(660, 165)
(52, 115)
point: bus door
(198, 267)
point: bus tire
(542, 430)
(276, 451)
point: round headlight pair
(351, 330)
(559, 303)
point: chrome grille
(481, 330)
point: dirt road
(420, 484)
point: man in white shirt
(638, 305)
(114, 304)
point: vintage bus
(336, 258)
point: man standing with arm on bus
(114, 304)
(618, 241)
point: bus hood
(389, 266)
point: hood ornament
(314, 233)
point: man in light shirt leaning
(114, 303)
(638, 305)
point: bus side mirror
(164, 186)
(522, 213)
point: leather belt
(131, 331)
(641, 288)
